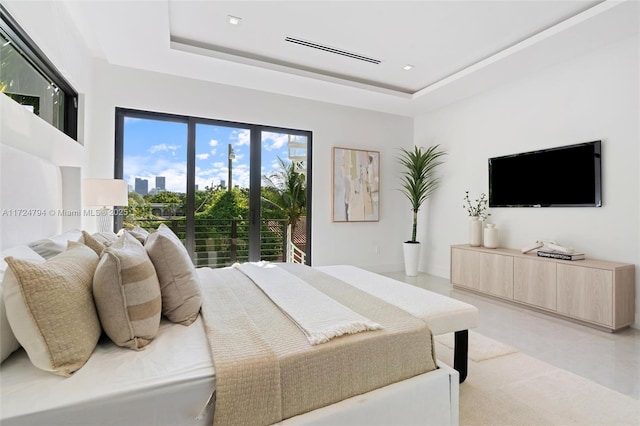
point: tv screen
(566, 176)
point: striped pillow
(127, 294)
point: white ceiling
(457, 48)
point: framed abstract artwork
(356, 185)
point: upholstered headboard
(40, 174)
(30, 198)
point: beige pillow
(8, 341)
(179, 282)
(127, 293)
(51, 310)
(139, 233)
(92, 243)
(98, 241)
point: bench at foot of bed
(443, 314)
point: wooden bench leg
(460, 351)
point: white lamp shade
(105, 192)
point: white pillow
(49, 247)
(8, 341)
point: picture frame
(355, 185)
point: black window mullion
(118, 164)
(255, 187)
(309, 198)
(191, 190)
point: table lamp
(105, 193)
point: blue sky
(159, 148)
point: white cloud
(213, 143)
(271, 141)
(202, 156)
(162, 147)
(243, 137)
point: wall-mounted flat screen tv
(566, 176)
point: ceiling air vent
(331, 50)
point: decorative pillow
(51, 310)
(127, 293)
(98, 241)
(49, 247)
(139, 233)
(179, 282)
(8, 341)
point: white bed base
(427, 399)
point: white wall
(592, 97)
(49, 25)
(52, 31)
(332, 125)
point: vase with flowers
(477, 211)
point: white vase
(475, 231)
(491, 236)
(411, 258)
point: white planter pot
(411, 258)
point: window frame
(44, 66)
(255, 160)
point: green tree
(137, 208)
(175, 202)
(286, 190)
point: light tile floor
(610, 359)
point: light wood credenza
(597, 293)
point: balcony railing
(222, 242)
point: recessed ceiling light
(234, 20)
(407, 67)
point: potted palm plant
(418, 184)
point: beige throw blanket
(266, 369)
(320, 317)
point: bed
(173, 379)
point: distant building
(160, 183)
(142, 186)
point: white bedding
(168, 383)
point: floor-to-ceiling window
(232, 192)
